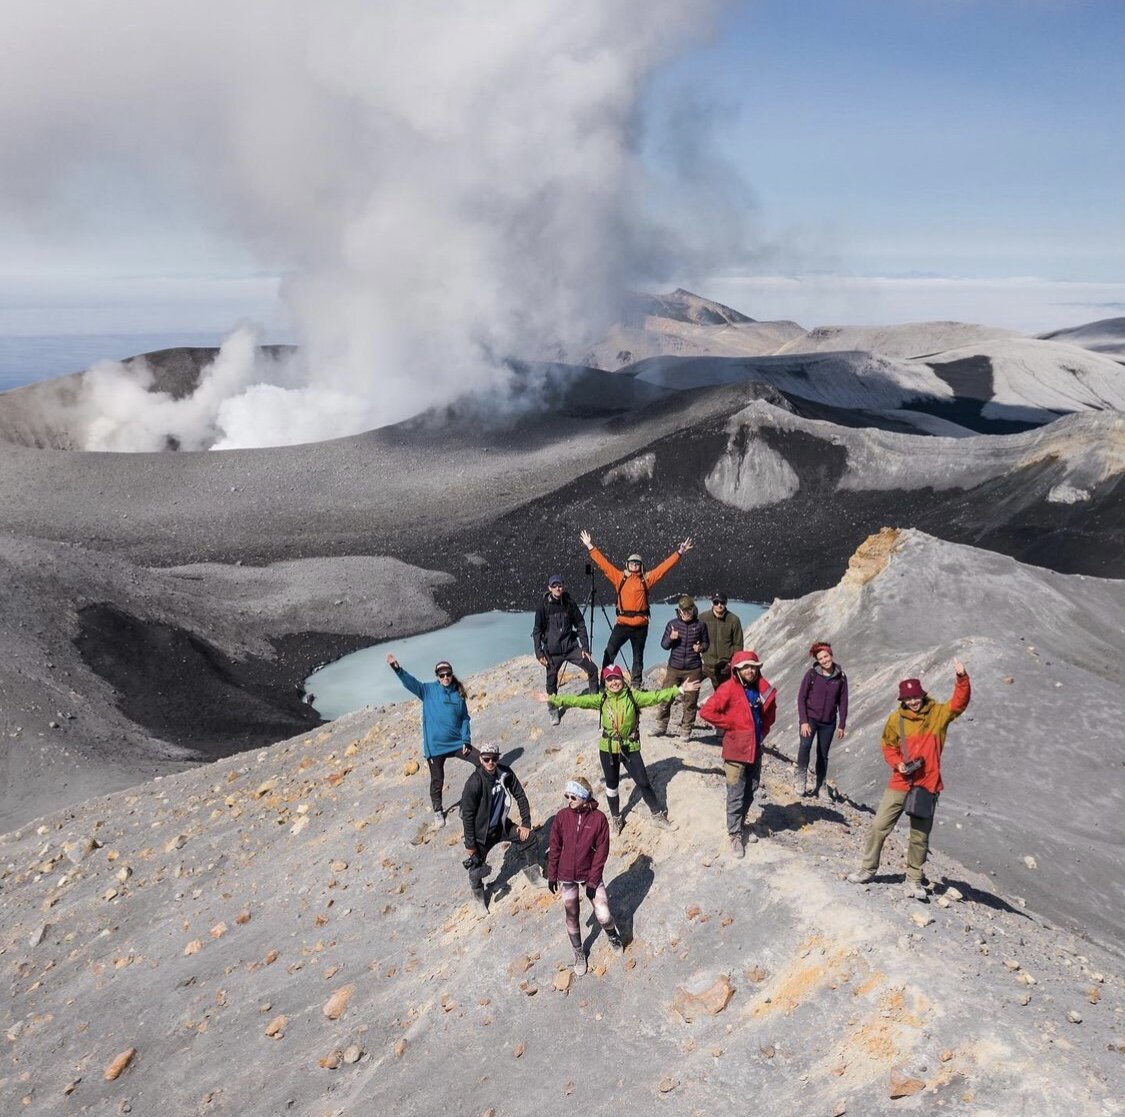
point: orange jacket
(632, 589)
(925, 737)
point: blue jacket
(445, 715)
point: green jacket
(619, 714)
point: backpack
(635, 735)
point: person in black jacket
(559, 637)
(485, 803)
(685, 637)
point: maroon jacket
(728, 709)
(579, 845)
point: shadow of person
(528, 857)
(981, 896)
(776, 818)
(627, 891)
(512, 755)
(660, 774)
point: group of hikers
(742, 707)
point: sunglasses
(490, 760)
(572, 798)
(445, 674)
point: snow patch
(635, 470)
(1067, 494)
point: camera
(912, 766)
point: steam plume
(445, 183)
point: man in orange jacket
(917, 728)
(632, 586)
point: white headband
(576, 789)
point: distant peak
(685, 306)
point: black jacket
(559, 627)
(476, 803)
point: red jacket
(925, 737)
(579, 845)
(728, 709)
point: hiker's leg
(618, 634)
(737, 776)
(689, 700)
(635, 766)
(554, 662)
(890, 807)
(571, 911)
(637, 638)
(436, 765)
(611, 770)
(918, 846)
(825, 731)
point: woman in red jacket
(576, 858)
(744, 707)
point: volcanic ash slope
(1033, 770)
(284, 932)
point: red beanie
(910, 688)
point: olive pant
(890, 808)
(689, 700)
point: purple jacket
(579, 845)
(819, 697)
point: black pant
(635, 766)
(823, 731)
(554, 662)
(437, 771)
(517, 856)
(635, 634)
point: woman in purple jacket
(822, 709)
(576, 858)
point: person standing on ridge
(576, 857)
(686, 639)
(485, 804)
(822, 701)
(559, 636)
(619, 709)
(913, 741)
(445, 724)
(632, 587)
(724, 635)
(744, 707)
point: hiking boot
(555, 715)
(618, 823)
(685, 732)
(815, 793)
(614, 940)
(914, 891)
(860, 876)
(579, 961)
(481, 898)
(736, 846)
(439, 819)
(660, 818)
(751, 835)
(659, 730)
(800, 775)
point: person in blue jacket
(445, 724)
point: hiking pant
(554, 662)
(635, 634)
(505, 832)
(436, 764)
(635, 766)
(572, 895)
(673, 676)
(890, 807)
(742, 782)
(822, 732)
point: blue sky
(958, 137)
(880, 141)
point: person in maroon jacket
(576, 857)
(744, 707)
(822, 710)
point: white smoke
(444, 183)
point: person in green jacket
(620, 715)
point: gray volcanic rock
(1107, 335)
(686, 325)
(912, 339)
(1034, 768)
(249, 929)
(112, 673)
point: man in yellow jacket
(913, 740)
(632, 586)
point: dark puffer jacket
(823, 697)
(579, 845)
(559, 627)
(683, 657)
(476, 803)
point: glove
(591, 891)
(552, 886)
(473, 861)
